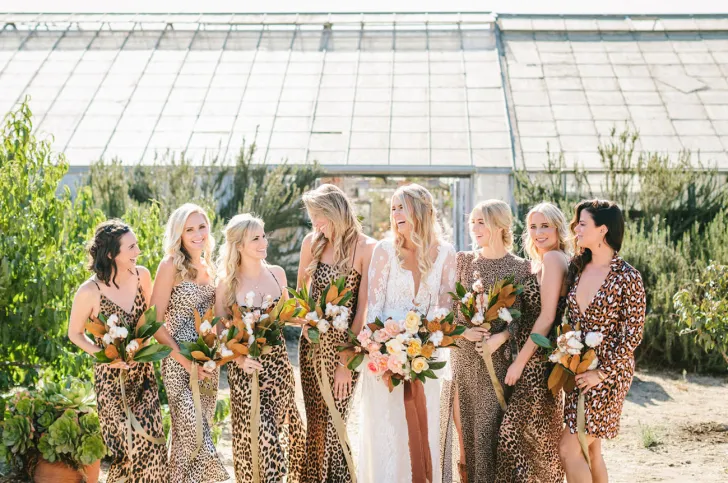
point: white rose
(132, 346)
(478, 319)
(505, 314)
(112, 320)
(108, 340)
(322, 326)
(593, 364)
(209, 366)
(312, 316)
(249, 298)
(394, 346)
(436, 338)
(593, 339)
(205, 327)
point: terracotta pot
(59, 472)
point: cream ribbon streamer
(336, 419)
(488, 359)
(255, 425)
(580, 428)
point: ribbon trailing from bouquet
(415, 410)
(339, 425)
(195, 386)
(580, 428)
(497, 387)
(132, 423)
(255, 425)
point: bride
(415, 270)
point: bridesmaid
(119, 287)
(470, 401)
(606, 295)
(336, 247)
(184, 284)
(528, 442)
(281, 439)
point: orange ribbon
(415, 408)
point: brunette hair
(104, 247)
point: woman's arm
(552, 279)
(84, 303)
(363, 297)
(163, 285)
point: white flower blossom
(332, 310)
(478, 319)
(205, 327)
(574, 343)
(394, 346)
(593, 339)
(249, 298)
(225, 352)
(224, 334)
(118, 332)
(132, 346)
(505, 315)
(107, 338)
(209, 366)
(322, 326)
(555, 357)
(267, 302)
(467, 298)
(264, 316)
(436, 338)
(440, 313)
(593, 364)
(478, 286)
(312, 316)
(112, 320)
(249, 318)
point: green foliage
(219, 420)
(57, 422)
(43, 231)
(677, 222)
(702, 308)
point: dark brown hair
(103, 249)
(605, 213)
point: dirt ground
(674, 429)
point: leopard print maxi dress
(480, 413)
(528, 442)
(325, 461)
(618, 312)
(281, 437)
(187, 297)
(144, 462)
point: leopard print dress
(480, 413)
(187, 297)
(144, 462)
(325, 461)
(282, 437)
(528, 441)
(618, 312)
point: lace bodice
(392, 288)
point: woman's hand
(342, 382)
(588, 379)
(514, 373)
(476, 334)
(119, 365)
(202, 374)
(493, 341)
(248, 364)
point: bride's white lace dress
(384, 450)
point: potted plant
(53, 433)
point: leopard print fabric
(528, 441)
(480, 413)
(281, 438)
(180, 321)
(144, 462)
(325, 460)
(618, 312)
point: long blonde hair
(421, 214)
(229, 259)
(556, 218)
(173, 243)
(496, 214)
(329, 201)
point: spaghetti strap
(276, 279)
(97, 285)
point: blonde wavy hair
(554, 217)
(236, 232)
(173, 243)
(421, 214)
(496, 214)
(329, 201)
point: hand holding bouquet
(328, 311)
(481, 308)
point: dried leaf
(111, 352)
(199, 355)
(574, 363)
(96, 328)
(569, 384)
(332, 294)
(555, 376)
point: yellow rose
(414, 349)
(420, 364)
(412, 322)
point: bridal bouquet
(574, 354)
(483, 309)
(123, 342)
(328, 311)
(404, 350)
